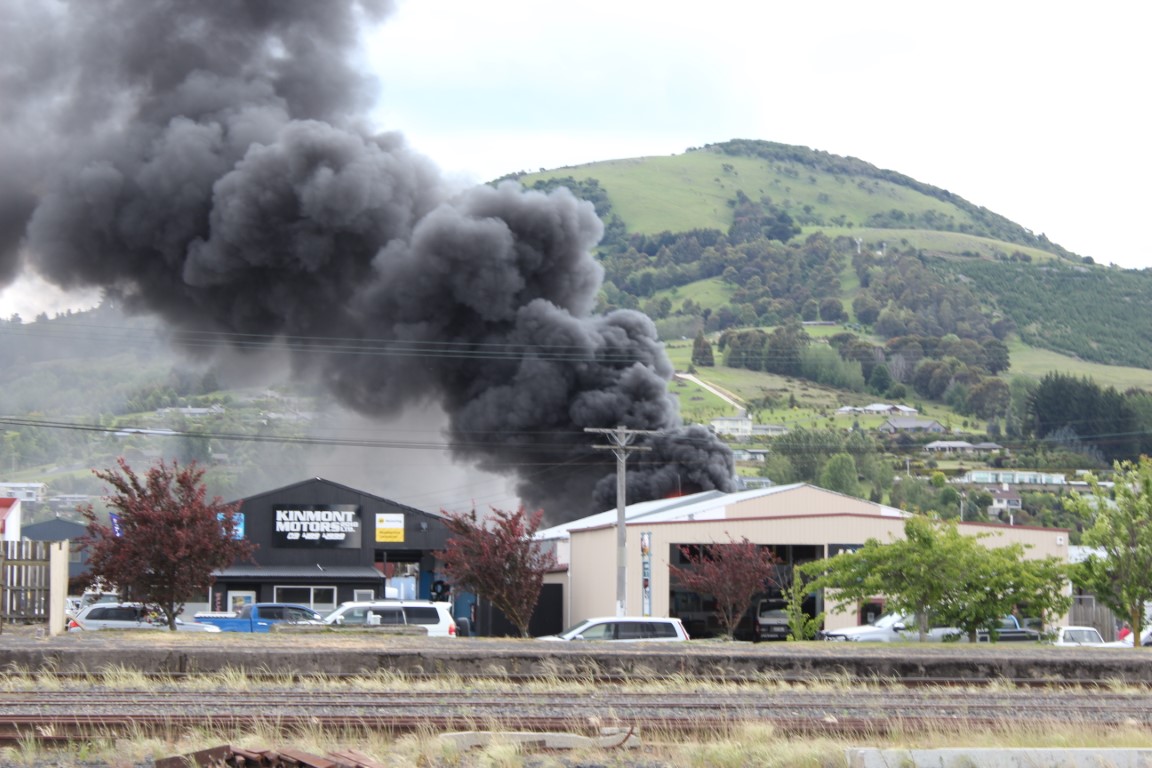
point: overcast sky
(1035, 110)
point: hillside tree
(702, 352)
(498, 558)
(1119, 574)
(167, 537)
(732, 572)
(839, 474)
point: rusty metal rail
(55, 716)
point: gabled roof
(54, 530)
(912, 421)
(709, 505)
(321, 481)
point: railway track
(69, 713)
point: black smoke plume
(211, 163)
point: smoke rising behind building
(211, 164)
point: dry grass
(740, 744)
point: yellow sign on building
(390, 527)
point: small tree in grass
(734, 573)
(499, 559)
(166, 540)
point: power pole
(621, 439)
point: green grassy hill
(1052, 299)
(820, 191)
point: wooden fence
(1086, 612)
(25, 591)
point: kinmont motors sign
(328, 526)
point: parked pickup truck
(1010, 630)
(259, 617)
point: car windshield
(577, 626)
(1082, 636)
(889, 620)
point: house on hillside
(896, 410)
(911, 424)
(950, 446)
(734, 426)
(1006, 477)
(1005, 504)
(23, 491)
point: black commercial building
(321, 543)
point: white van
(436, 618)
(625, 629)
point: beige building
(800, 522)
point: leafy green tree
(937, 570)
(807, 450)
(866, 309)
(839, 474)
(499, 559)
(1101, 417)
(778, 469)
(915, 574)
(167, 539)
(702, 351)
(801, 626)
(783, 349)
(744, 349)
(996, 357)
(832, 309)
(880, 380)
(1120, 576)
(988, 398)
(734, 573)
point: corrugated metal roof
(699, 506)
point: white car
(128, 616)
(624, 629)
(435, 617)
(1082, 637)
(889, 628)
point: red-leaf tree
(499, 559)
(168, 538)
(733, 573)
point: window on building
(318, 598)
